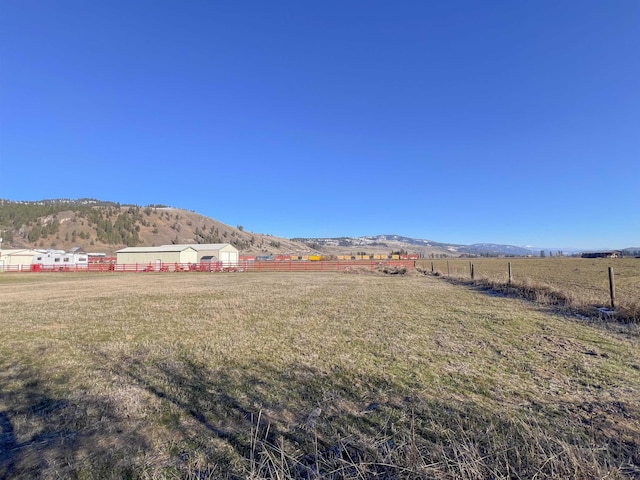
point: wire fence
(597, 281)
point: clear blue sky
(512, 122)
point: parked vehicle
(59, 260)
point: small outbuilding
(182, 254)
(225, 253)
(16, 259)
(612, 254)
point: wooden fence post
(471, 269)
(431, 267)
(612, 289)
(509, 269)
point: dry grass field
(579, 283)
(306, 375)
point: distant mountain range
(97, 225)
(426, 247)
(429, 247)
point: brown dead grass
(580, 285)
(306, 375)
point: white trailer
(59, 260)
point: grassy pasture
(306, 375)
(582, 282)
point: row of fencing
(576, 278)
(242, 266)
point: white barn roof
(205, 246)
(163, 248)
(19, 251)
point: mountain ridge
(104, 226)
(107, 226)
(423, 246)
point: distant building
(60, 260)
(225, 253)
(157, 255)
(16, 259)
(612, 254)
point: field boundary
(547, 295)
(241, 266)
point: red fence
(243, 266)
(329, 266)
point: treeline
(124, 230)
(39, 220)
(14, 216)
(48, 223)
(212, 235)
(39, 231)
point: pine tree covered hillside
(99, 226)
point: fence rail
(242, 266)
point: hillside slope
(97, 226)
(425, 248)
(103, 226)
